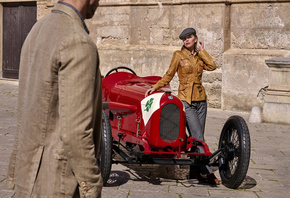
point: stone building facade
(239, 34)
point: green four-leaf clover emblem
(149, 104)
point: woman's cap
(187, 31)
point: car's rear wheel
(105, 153)
(234, 161)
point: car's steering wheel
(121, 67)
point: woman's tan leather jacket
(189, 69)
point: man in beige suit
(60, 105)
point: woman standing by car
(189, 64)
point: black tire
(234, 161)
(105, 153)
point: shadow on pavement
(156, 174)
(248, 183)
(153, 174)
(117, 178)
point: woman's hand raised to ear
(200, 46)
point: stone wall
(143, 36)
(240, 36)
(277, 99)
(258, 31)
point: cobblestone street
(268, 173)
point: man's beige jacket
(59, 113)
(189, 68)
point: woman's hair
(195, 44)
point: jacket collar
(72, 12)
(188, 53)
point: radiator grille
(169, 122)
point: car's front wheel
(236, 146)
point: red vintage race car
(152, 130)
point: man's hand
(149, 91)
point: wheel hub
(230, 151)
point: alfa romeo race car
(152, 130)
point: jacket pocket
(186, 67)
(59, 154)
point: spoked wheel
(235, 142)
(105, 153)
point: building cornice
(186, 2)
(166, 2)
(16, 1)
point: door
(18, 19)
